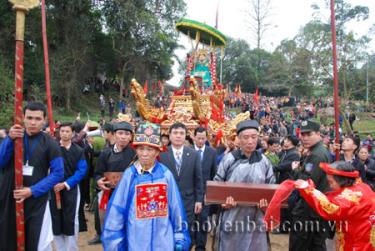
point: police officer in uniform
(308, 230)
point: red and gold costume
(353, 210)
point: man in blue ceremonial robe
(145, 211)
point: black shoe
(95, 240)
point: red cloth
(332, 171)
(272, 216)
(105, 198)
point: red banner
(145, 87)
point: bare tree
(258, 13)
(257, 19)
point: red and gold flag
(145, 87)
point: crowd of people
(147, 190)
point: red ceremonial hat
(147, 134)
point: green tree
(143, 37)
(6, 96)
(289, 70)
(315, 37)
(72, 26)
(237, 65)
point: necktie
(200, 152)
(178, 162)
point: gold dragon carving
(144, 108)
(227, 127)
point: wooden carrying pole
(48, 86)
(21, 7)
(46, 70)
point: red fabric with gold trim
(151, 201)
(330, 170)
(352, 209)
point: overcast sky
(286, 17)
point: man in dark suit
(185, 165)
(207, 157)
(283, 172)
(287, 156)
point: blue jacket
(128, 227)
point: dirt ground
(278, 242)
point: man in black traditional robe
(65, 220)
(43, 168)
(113, 159)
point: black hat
(247, 124)
(310, 126)
(123, 126)
(108, 127)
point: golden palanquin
(193, 109)
(183, 111)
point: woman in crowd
(364, 158)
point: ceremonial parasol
(206, 35)
(201, 32)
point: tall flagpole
(21, 7)
(335, 77)
(222, 51)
